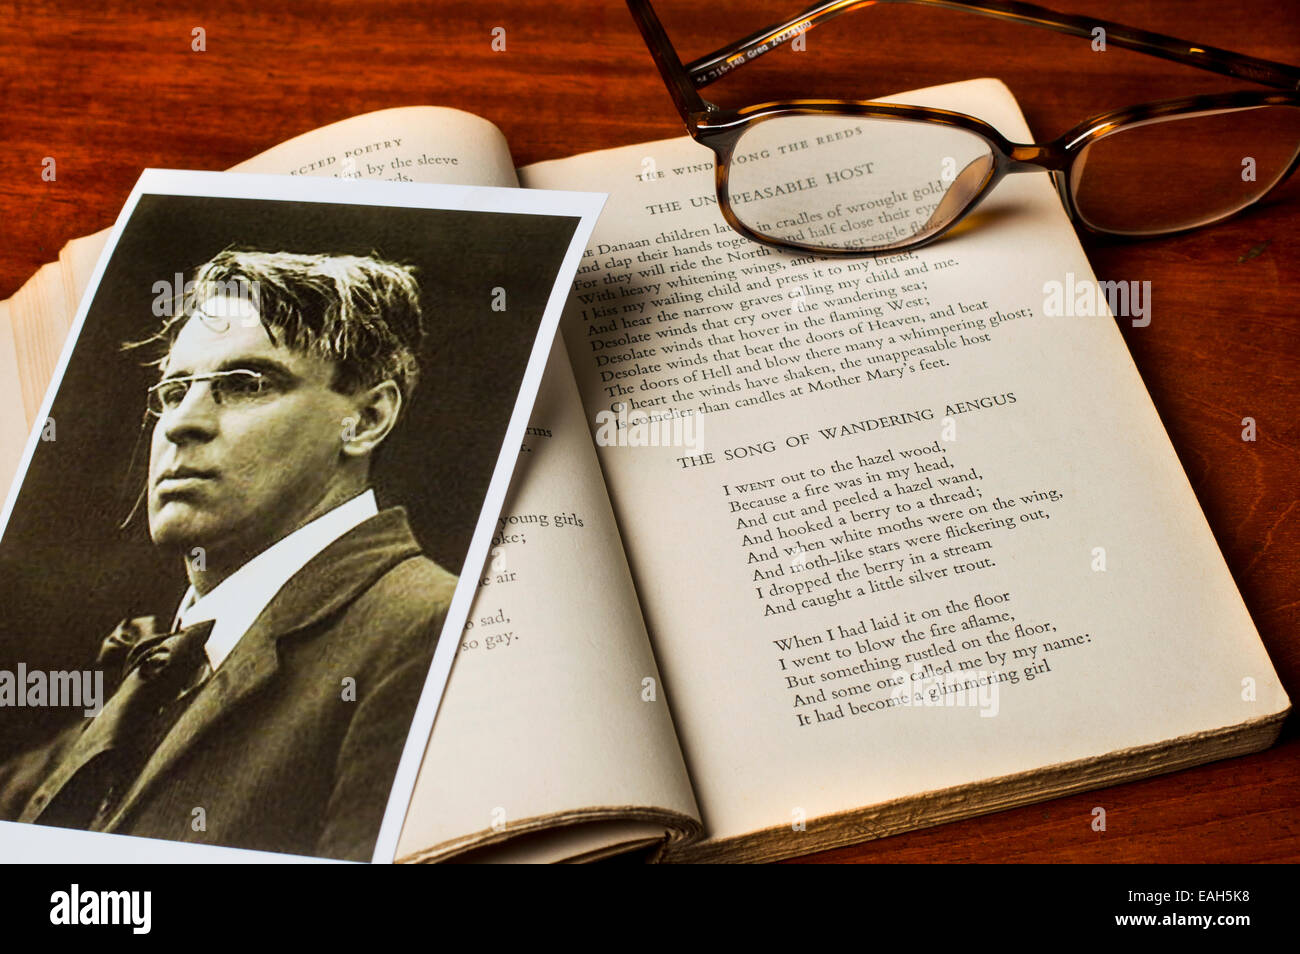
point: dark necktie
(165, 661)
(160, 675)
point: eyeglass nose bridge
(1051, 158)
(1035, 157)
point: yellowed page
(932, 536)
(77, 260)
(406, 144)
(40, 316)
(555, 712)
(13, 423)
(567, 640)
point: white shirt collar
(236, 602)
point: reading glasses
(853, 177)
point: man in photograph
(271, 710)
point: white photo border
(41, 843)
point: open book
(799, 552)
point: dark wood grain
(109, 88)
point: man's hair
(360, 313)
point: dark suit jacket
(270, 748)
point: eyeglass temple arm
(720, 62)
(680, 84)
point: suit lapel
(325, 585)
(248, 669)
(96, 739)
(120, 716)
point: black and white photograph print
(276, 443)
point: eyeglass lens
(1183, 172)
(837, 181)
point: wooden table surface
(108, 88)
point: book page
(928, 530)
(14, 422)
(405, 144)
(38, 342)
(555, 713)
(557, 635)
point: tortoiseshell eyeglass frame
(719, 129)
